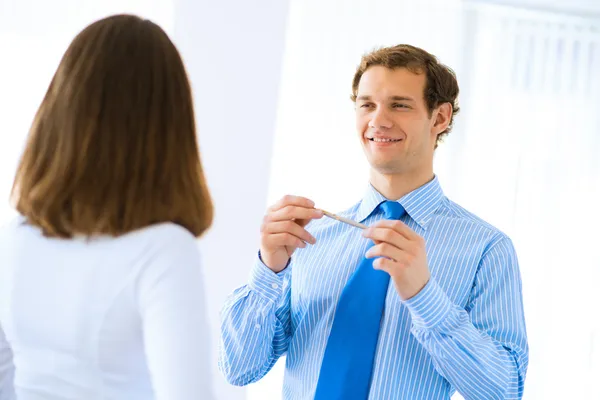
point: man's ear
(442, 118)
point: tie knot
(392, 209)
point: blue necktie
(348, 360)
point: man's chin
(386, 168)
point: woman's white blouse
(105, 318)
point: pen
(344, 220)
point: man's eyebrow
(394, 98)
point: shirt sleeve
(255, 326)
(171, 298)
(482, 349)
(7, 369)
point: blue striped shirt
(464, 331)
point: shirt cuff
(265, 282)
(430, 307)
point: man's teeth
(384, 140)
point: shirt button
(257, 327)
(275, 286)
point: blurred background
(272, 80)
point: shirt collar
(420, 204)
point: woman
(101, 292)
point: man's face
(394, 125)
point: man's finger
(289, 227)
(290, 212)
(384, 250)
(397, 226)
(387, 235)
(284, 239)
(289, 200)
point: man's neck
(395, 186)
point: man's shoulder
(471, 221)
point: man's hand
(403, 255)
(283, 231)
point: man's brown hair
(440, 85)
(113, 145)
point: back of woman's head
(113, 145)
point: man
(424, 302)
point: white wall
(233, 52)
(573, 7)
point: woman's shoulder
(167, 243)
(9, 227)
(166, 235)
(12, 222)
(170, 230)
(169, 257)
